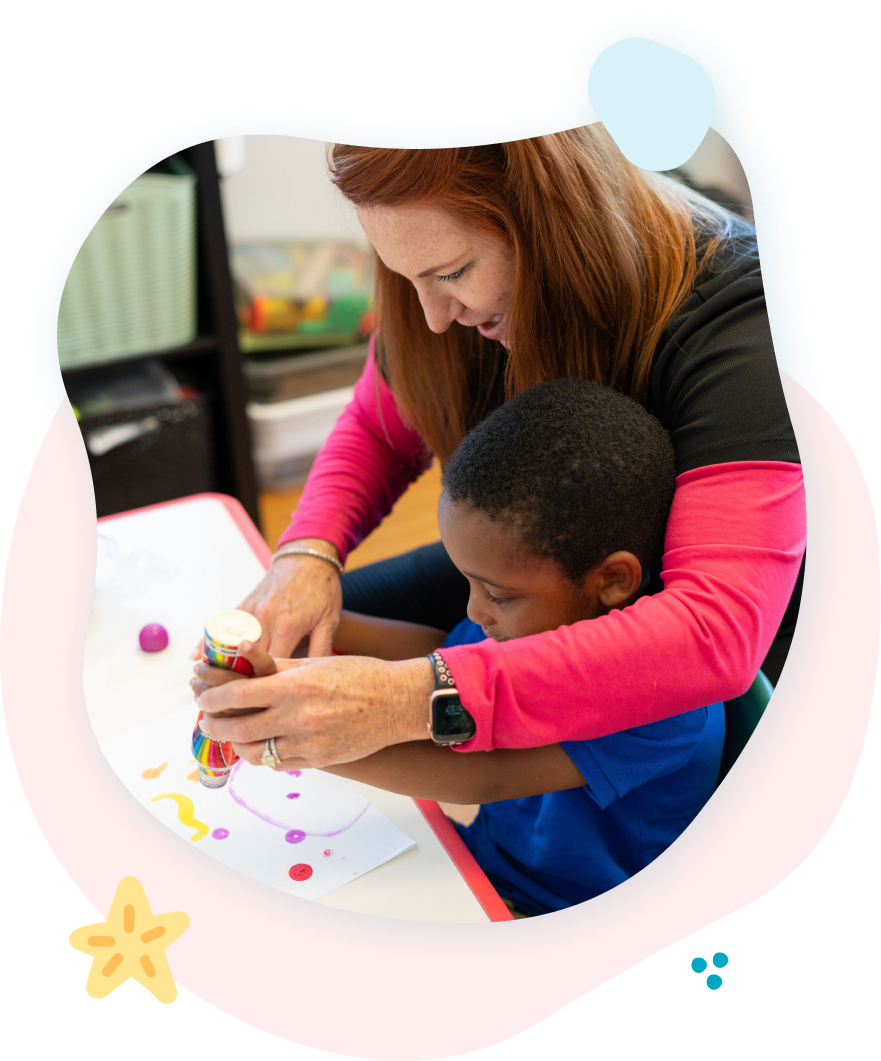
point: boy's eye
(498, 600)
(452, 276)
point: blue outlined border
(736, 118)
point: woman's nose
(440, 309)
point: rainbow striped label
(213, 758)
(224, 632)
(226, 657)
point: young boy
(553, 508)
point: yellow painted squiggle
(185, 813)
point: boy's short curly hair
(579, 470)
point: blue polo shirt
(642, 788)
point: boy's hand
(208, 677)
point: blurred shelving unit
(212, 362)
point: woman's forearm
(425, 771)
(734, 543)
(366, 464)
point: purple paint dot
(295, 836)
(220, 834)
(294, 773)
(293, 795)
(153, 638)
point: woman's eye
(452, 276)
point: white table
(176, 564)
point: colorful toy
(224, 632)
(153, 637)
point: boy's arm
(426, 771)
(365, 635)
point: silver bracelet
(301, 550)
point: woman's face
(459, 275)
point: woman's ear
(620, 576)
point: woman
(500, 267)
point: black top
(715, 385)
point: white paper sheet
(262, 822)
(177, 565)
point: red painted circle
(300, 872)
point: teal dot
(720, 960)
(698, 965)
(714, 982)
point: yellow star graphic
(131, 942)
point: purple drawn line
(242, 803)
(280, 825)
(337, 832)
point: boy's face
(514, 595)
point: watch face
(450, 722)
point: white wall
(715, 165)
(276, 187)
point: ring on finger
(270, 755)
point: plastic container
(224, 632)
(300, 294)
(287, 435)
(299, 375)
(132, 287)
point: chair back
(741, 718)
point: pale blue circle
(714, 982)
(698, 965)
(720, 960)
(656, 102)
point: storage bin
(158, 453)
(132, 287)
(287, 435)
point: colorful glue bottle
(224, 632)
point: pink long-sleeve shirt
(733, 546)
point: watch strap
(442, 677)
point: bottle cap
(231, 628)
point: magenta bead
(153, 638)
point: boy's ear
(620, 576)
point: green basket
(132, 288)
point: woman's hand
(320, 711)
(300, 596)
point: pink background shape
(771, 811)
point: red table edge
(232, 505)
(464, 861)
(483, 891)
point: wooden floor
(412, 522)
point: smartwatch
(448, 721)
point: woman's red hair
(604, 255)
